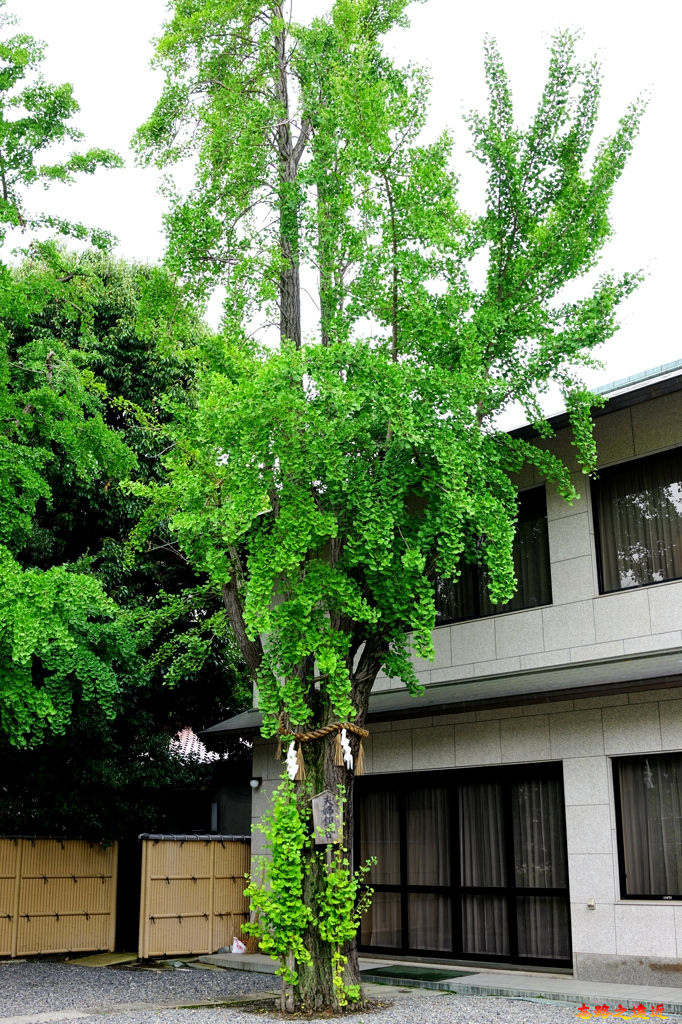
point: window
(649, 821)
(638, 521)
(469, 864)
(468, 598)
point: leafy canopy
(90, 636)
(162, 658)
(84, 357)
(59, 627)
(326, 483)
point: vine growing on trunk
(280, 915)
(344, 900)
(279, 912)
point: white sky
(104, 50)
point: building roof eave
(659, 669)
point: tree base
(364, 1005)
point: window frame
(596, 521)
(620, 833)
(510, 892)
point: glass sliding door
(473, 867)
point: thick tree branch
(250, 650)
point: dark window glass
(482, 842)
(650, 825)
(485, 925)
(430, 922)
(468, 598)
(638, 508)
(539, 834)
(427, 832)
(543, 927)
(379, 835)
(380, 926)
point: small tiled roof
(188, 745)
(193, 837)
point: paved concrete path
(514, 984)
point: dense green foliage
(88, 349)
(276, 891)
(59, 630)
(343, 901)
(107, 772)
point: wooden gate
(56, 896)
(192, 898)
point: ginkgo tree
(325, 482)
(59, 632)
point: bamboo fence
(56, 896)
(192, 894)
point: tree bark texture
(315, 990)
(289, 201)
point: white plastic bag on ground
(238, 946)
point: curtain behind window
(481, 830)
(651, 816)
(485, 926)
(505, 842)
(639, 508)
(380, 838)
(539, 839)
(428, 836)
(540, 862)
(427, 826)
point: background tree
(326, 483)
(35, 116)
(112, 771)
(88, 347)
(59, 631)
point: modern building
(527, 809)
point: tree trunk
(289, 200)
(288, 1003)
(315, 991)
(325, 268)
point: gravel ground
(419, 1007)
(38, 986)
(57, 991)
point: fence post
(211, 898)
(114, 893)
(144, 910)
(17, 896)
